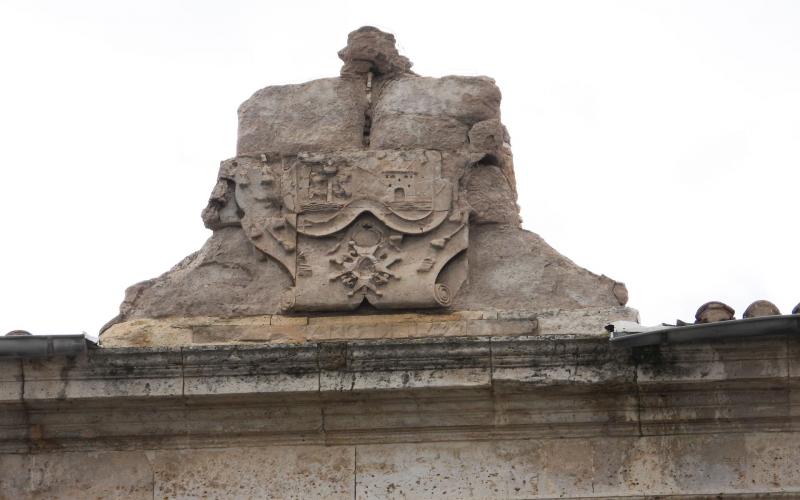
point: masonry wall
(480, 418)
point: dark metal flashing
(750, 327)
(42, 346)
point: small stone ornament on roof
(761, 308)
(714, 311)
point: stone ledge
(279, 329)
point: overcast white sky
(655, 142)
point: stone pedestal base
(278, 329)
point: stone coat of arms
(378, 226)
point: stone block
(275, 472)
(112, 475)
(147, 332)
(320, 115)
(449, 470)
(464, 98)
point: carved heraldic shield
(375, 226)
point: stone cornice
(460, 388)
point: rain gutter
(750, 327)
(42, 346)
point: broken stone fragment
(372, 50)
(761, 308)
(712, 312)
(620, 292)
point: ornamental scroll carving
(375, 226)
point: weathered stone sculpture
(378, 187)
